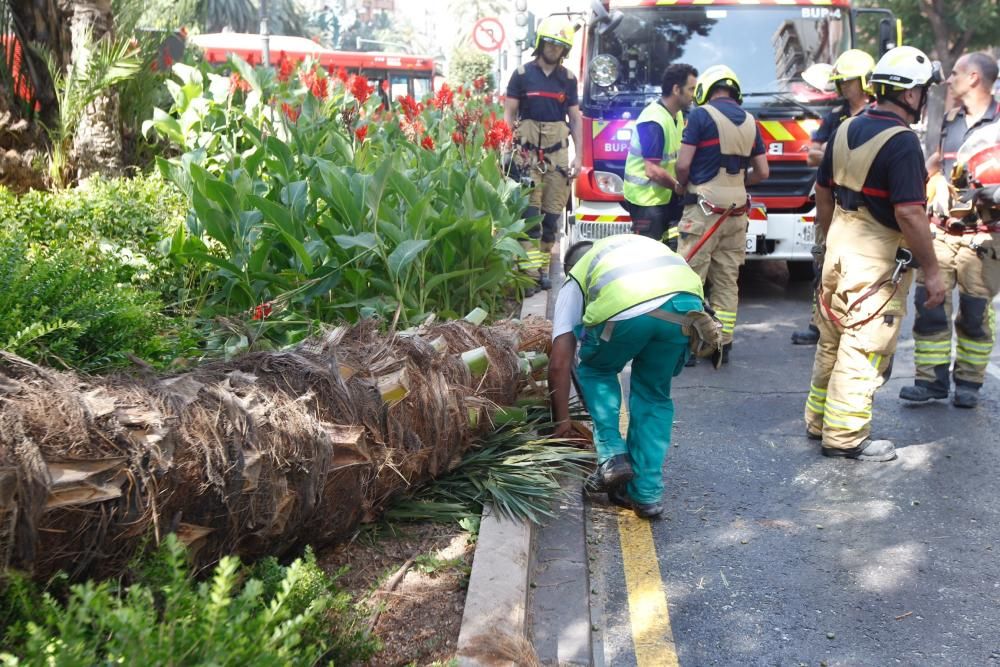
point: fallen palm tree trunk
(249, 457)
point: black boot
(808, 336)
(879, 451)
(965, 397)
(612, 474)
(543, 280)
(621, 498)
(921, 393)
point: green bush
(66, 308)
(265, 615)
(124, 219)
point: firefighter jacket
(623, 271)
(639, 189)
(851, 167)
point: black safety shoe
(919, 393)
(543, 281)
(965, 397)
(721, 357)
(813, 436)
(610, 475)
(869, 450)
(621, 498)
(808, 336)
(691, 362)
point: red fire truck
(769, 43)
(405, 74)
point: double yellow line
(649, 617)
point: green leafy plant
(108, 62)
(266, 615)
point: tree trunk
(97, 145)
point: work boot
(721, 357)
(813, 436)
(691, 362)
(621, 498)
(921, 393)
(543, 281)
(809, 336)
(965, 397)
(869, 450)
(610, 475)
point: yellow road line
(649, 616)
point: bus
(397, 74)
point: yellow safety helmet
(554, 29)
(716, 75)
(853, 64)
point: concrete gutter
(495, 619)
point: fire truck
(769, 43)
(399, 74)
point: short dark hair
(574, 253)
(676, 75)
(986, 65)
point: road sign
(488, 34)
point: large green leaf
(365, 240)
(404, 254)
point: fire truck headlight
(608, 183)
(604, 70)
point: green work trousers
(657, 350)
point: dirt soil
(419, 619)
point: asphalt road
(771, 554)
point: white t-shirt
(568, 312)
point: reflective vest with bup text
(638, 188)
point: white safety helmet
(905, 67)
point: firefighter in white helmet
(870, 202)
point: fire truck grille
(594, 231)
(787, 179)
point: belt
(551, 149)
(708, 208)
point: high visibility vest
(639, 189)
(623, 271)
(727, 188)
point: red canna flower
(457, 138)
(427, 142)
(498, 135)
(290, 112)
(262, 310)
(316, 82)
(479, 83)
(342, 74)
(361, 132)
(444, 98)
(285, 67)
(359, 88)
(410, 107)
(236, 82)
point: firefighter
(963, 250)
(850, 75)
(627, 298)
(721, 153)
(543, 108)
(870, 203)
(653, 197)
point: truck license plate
(751, 243)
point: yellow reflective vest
(623, 271)
(639, 189)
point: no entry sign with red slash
(488, 34)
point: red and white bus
(405, 74)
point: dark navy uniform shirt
(540, 97)
(954, 132)
(897, 176)
(702, 133)
(651, 138)
(831, 121)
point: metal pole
(265, 38)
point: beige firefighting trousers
(977, 275)
(549, 172)
(718, 262)
(852, 362)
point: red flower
(236, 82)
(498, 135)
(342, 74)
(479, 83)
(361, 132)
(290, 112)
(316, 83)
(444, 98)
(285, 67)
(360, 88)
(457, 138)
(261, 311)
(427, 142)
(409, 106)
